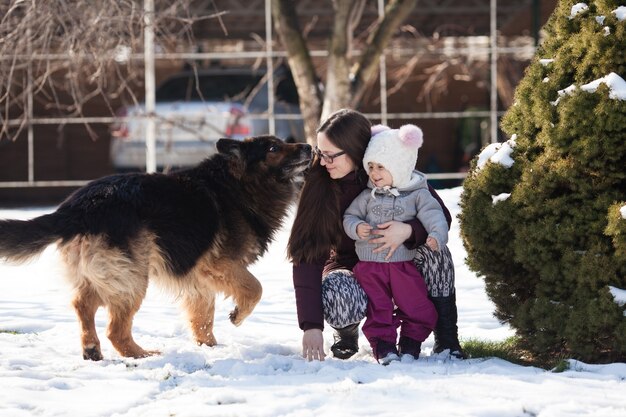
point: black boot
(346, 341)
(446, 331)
(408, 346)
(386, 352)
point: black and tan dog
(194, 232)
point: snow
(577, 9)
(619, 295)
(256, 369)
(616, 84)
(498, 153)
(567, 91)
(495, 199)
(620, 13)
(622, 211)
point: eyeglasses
(327, 158)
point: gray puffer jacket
(377, 206)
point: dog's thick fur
(193, 231)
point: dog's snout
(306, 150)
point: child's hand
(363, 230)
(432, 243)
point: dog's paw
(147, 353)
(210, 341)
(92, 353)
(138, 354)
(235, 316)
(132, 350)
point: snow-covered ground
(257, 370)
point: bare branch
(81, 49)
(396, 12)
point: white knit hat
(396, 150)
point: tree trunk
(337, 93)
(288, 28)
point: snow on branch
(619, 296)
(577, 9)
(615, 83)
(495, 199)
(498, 153)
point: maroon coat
(307, 277)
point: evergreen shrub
(542, 213)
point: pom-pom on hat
(396, 150)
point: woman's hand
(392, 235)
(313, 345)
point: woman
(323, 255)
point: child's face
(379, 175)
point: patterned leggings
(345, 303)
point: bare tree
(64, 53)
(345, 83)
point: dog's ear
(231, 146)
(236, 163)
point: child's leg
(416, 312)
(380, 323)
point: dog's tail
(21, 240)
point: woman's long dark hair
(318, 225)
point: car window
(215, 87)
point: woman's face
(341, 165)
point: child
(400, 193)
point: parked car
(195, 109)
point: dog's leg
(201, 313)
(86, 303)
(119, 331)
(246, 291)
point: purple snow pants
(395, 284)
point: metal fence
(150, 56)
